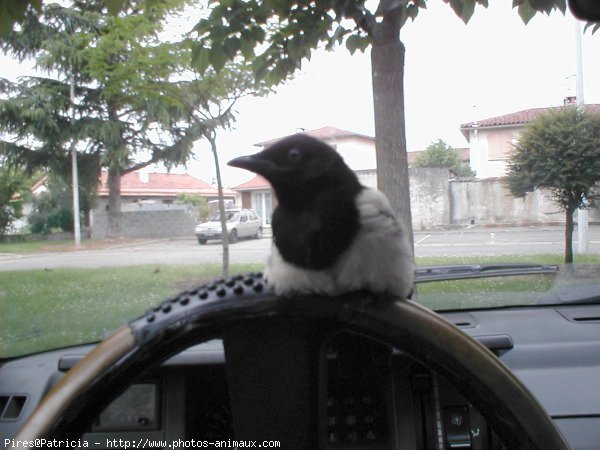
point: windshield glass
(231, 217)
(499, 285)
(154, 105)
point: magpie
(331, 234)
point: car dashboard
(371, 396)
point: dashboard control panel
(356, 388)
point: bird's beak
(253, 163)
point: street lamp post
(74, 170)
(582, 213)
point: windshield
(151, 114)
(230, 217)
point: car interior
(362, 391)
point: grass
(485, 292)
(62, 246)
(32, 246)
(587, 258)
(49, 309)
(42, 309)
(493, 291)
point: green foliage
(128, 91)
(13, 11)
(560, 152)
(137, 101)
(13, 190)
(49, 221)
(52, 209)
(277, 35)
(197, 201)
(440, 154)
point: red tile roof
(519, 118)
(40, 186)
(255, 183)
(161, 185)
(325, 134)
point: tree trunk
(213, 146)
(387, 71)
(569, 234)
(114, 203)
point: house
(257, 194)
(149, 208)
(148, 204)
(491, 140)
(358, 151)
(143, 187)
(27, 206)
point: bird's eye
(294, 155)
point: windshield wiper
(464, 271)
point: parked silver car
(240, 224)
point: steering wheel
(270, 346)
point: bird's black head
(298, 165)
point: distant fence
(438, 201)
(60, 236)
(154, 221)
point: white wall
(358, 153)
(484, 150)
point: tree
(205, 106)
(197, 201)
(52, 209)
(440, 154)
(559, 151)
(13, 190)
(125, 116)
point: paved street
(473, 241)
(500, 241)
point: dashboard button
(456, 426)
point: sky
(454, 73)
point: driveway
(163, 251)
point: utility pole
(582, 213)
(74, 170)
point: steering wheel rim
(196, 316)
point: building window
(264, 206)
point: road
(500, 241)
(464, 242)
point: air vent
(587, 319)
(461, 320)
(11, 406)
(581, 314)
